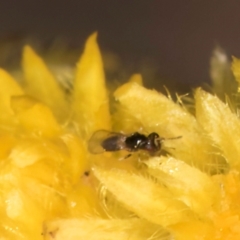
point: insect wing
(104, 140)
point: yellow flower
(53, 188)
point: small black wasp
(104, 140)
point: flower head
(53, 188)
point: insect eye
(154, 138)
(156, 141)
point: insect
(104, 140)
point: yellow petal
(41, 84)
(144, 197)
(19, 207)
(220, 123)
(23, 202)
(236, 69)
(137, 78)
(7, 142)
(90, 98)
(160, 114)
(194, 230)
(221, 75)
(78, 163)
(83, 200)
(191, 189)
(34, 117)
(9, 88)
(26, 153)
(102, 229)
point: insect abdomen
(111, 144)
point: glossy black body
(110, 141)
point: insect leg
(125, 157)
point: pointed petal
(220, 123)
(187, 183)
(137, 78)
(91, 106)
(41, 84)
(144, 197)
(102, 229)
(160, 114)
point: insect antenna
(172, 138)
(125, 157)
